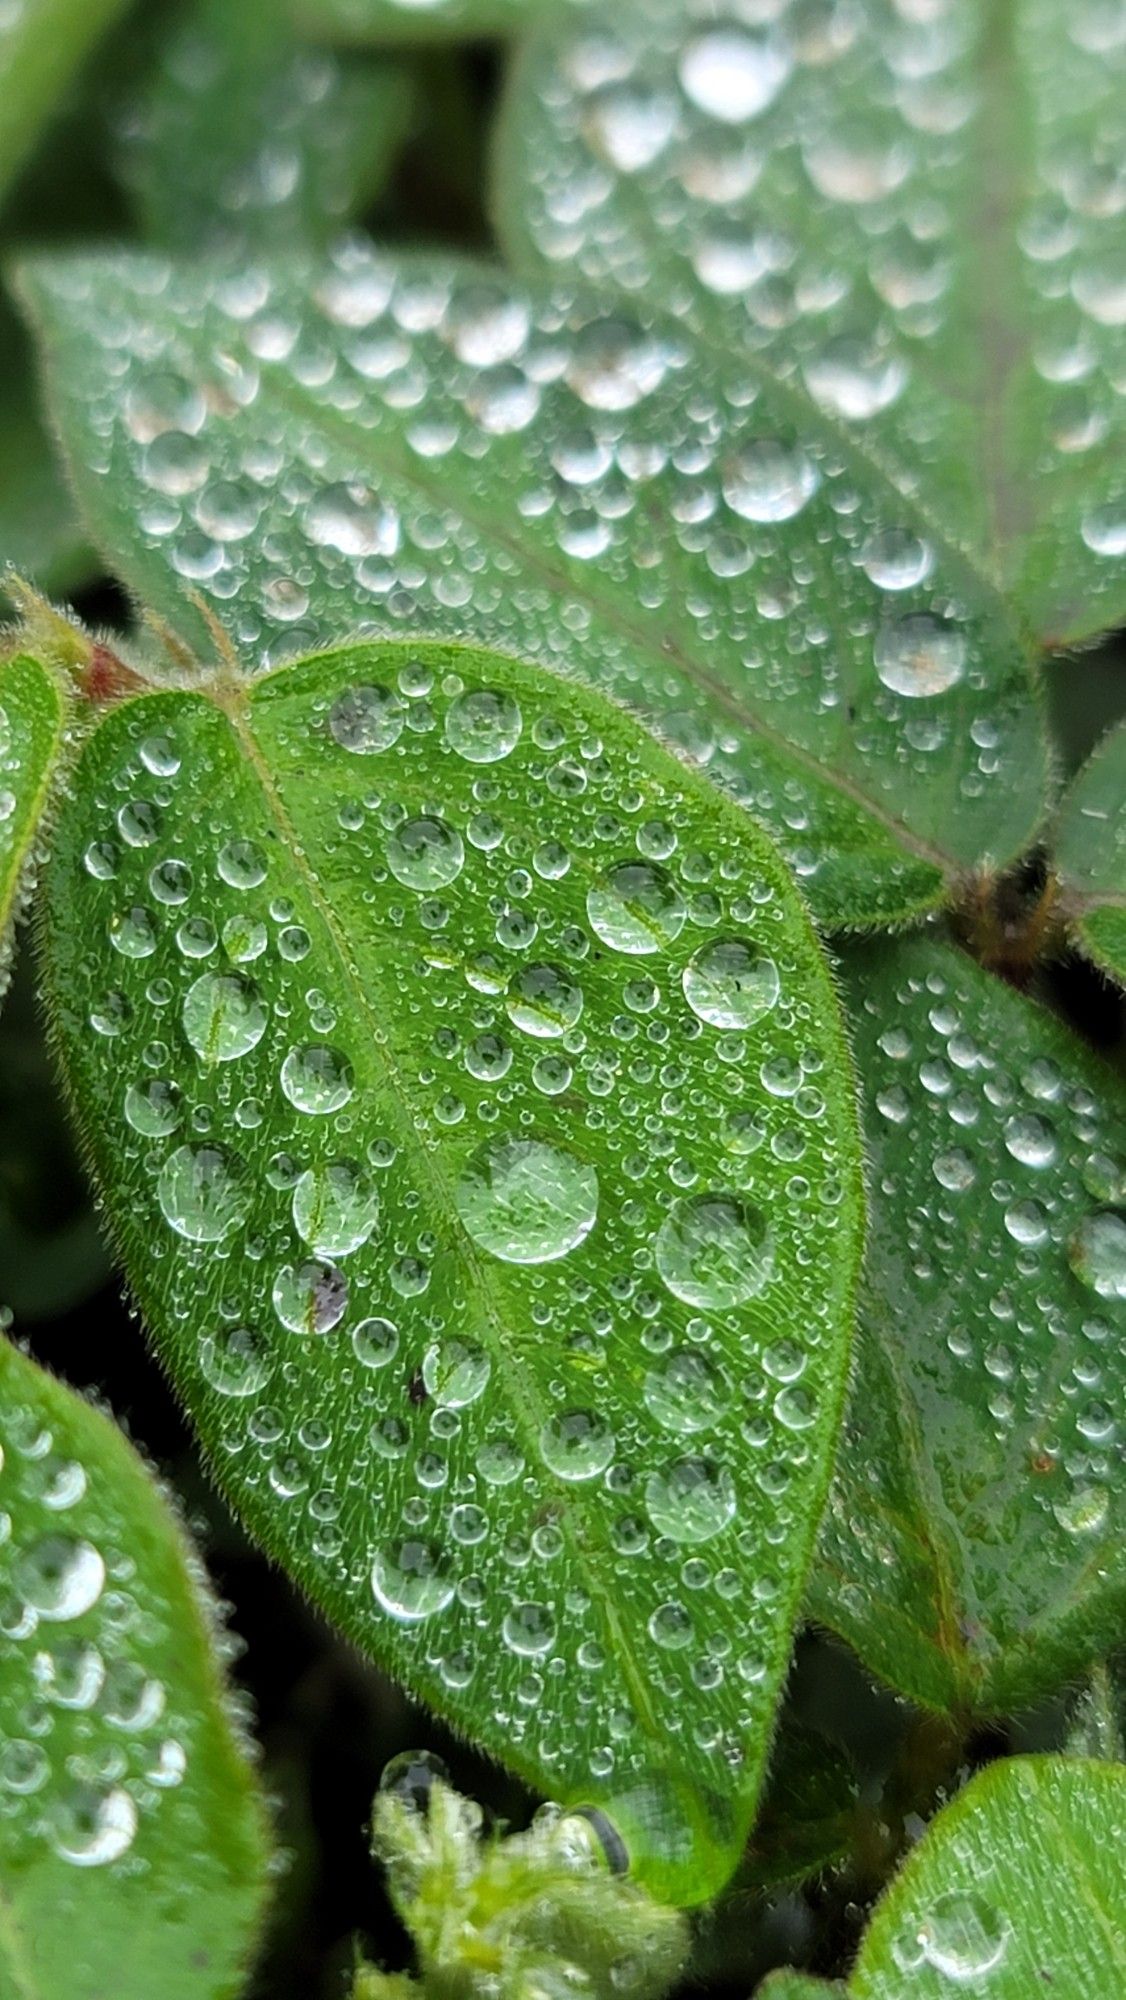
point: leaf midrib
(525, 1403)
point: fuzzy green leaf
(372, 444)
(1015, 1890)
(247, 140)
(33, 716)
(973, 1550)
(1090, 854)
(471, 1106)
(790, 1985)
(916, 220)
(42, 45)
(133, 1847)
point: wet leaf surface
(1090, 854)
(913, 216)
(33, 715)
(133, 1848)
(972, 1549)
(364, 444)
(472, 1108)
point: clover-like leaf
(472, 1109)
(33, 717)
(357, 442)
(1090, 854)
(42, 45)
(1015, 1889)
(972, 1552)
(914, 218)
(133, 1845)
(246, 139)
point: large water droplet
(350, 520)
(310, 1297)
(235, 1362)
(408, 1581)
(636, 908)
(730, 984)
(367, 720)
(484, 726)
(965, 1937)
(715, 1251)
(425, 854)
(577, 1445)
(733, 76)
(224, 1016)
(545, 1001)
(335, 1207)
(204, 1192)
(526, 1201)
(767, 480)
(317, 1079)
(60, 1577)
(1097, 1254)
(685, 1393)
(920, 655)
(691, 1500)
(454, 1373)
(529, 1629)
(92, 1826)
(854, 379)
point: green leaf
(33, 717)
(1090, 855)
(1014, 1890)
(917, 223)
(410, 20)
(360, 443)
(249, 141)
(133, 1845)
(42, 45)
(790, 1985)
(1096, 1727)
(808, 1814)
(972, 1553)
(504, 1273)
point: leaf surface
(914, 216)
(42, 45)
(1015, 1889)
(247, 140)
(472, 1108)
(33, 715)
(361, 443)
(133, 1846)
(411, 20)
(1090, 854)
(972, 1550)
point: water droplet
(691, 1500)
(375, 1342)
(204, 1193)
(367, 720)
(529, 1629)
(350, 520)
(730, 984)
(242, 864)
(578, 1445)
(133, 932)
(425, 854)
(454, 1373)
(317, 1079)
(733, 76)
(526, 1201)
(335, 1207)
(767, 480)
(224, 1016)
(715, 1251)
(154, 1108)
(920, 655)
(1097, 1254)
(484, 726)
(894, 559)
(854, 379)
(636, 908)
(409, 1581)
(686, 1393)
(544, 1001)
(310, 1297)
(235, 1362)
(965, 1936)
(1104, 530)
(91, 1826)
(60, 1578)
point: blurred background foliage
(312, 139)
